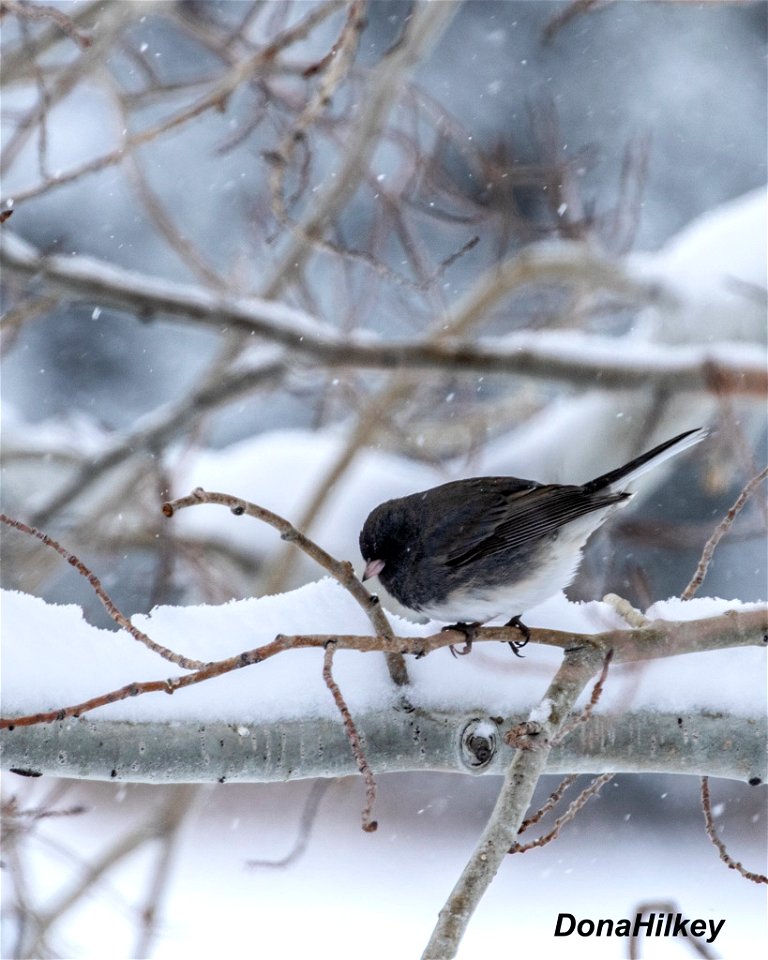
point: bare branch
(727, 859)
(159, 822)
(722, 528)
(215, 99)
(106, 601)
(334, 67)
(587, 793)
(369, 825)
(514, 798)
(576, 359)
(41, 11)
(341, 571)
(157, 428)
(425, 26)
(396, 739)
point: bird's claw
(516, 645)
(468, 629)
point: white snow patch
(53, 658)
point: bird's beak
(372, 569)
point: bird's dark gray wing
(521, 517)
(457, 517)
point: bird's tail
(620, 478)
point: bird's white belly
(550, 572)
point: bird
(470, 551)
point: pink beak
(372, 569)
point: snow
(281, 470)
(716, 268)
(540, 713)
(82, 661)
(74, 433)
(730, 239)
(377, 895)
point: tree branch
(341, 570)
(660, 638)
(395, 740)
(574, 358)
(522, 775)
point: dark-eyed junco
(473, 550)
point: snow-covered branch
(571, 357)
(252, 714)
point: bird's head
(385, 538)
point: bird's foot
(469, 630)
(517, 645)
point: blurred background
(378, 166)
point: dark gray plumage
(473, 550)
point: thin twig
(727, 859)
(341, 571)
(554, 798)
(720, 531)
(586, 794)
(687, 594)
(157, 212)
(179, 804)
(111, 20)
(586, 713)
(15, 318)
(216, 98)
(334, 66)
(665, 639)
(427, 22)
(11, 812)
(156, 429)
(369, 825)
(43, 105)
(308, 815)
(574, 9)
(41, 11)
(155, 824)
(107, 602)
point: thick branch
(575, 359)
(394, 740)
(523, 773)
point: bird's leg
(468, 629)
(516, 645)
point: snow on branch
(570, 357)
(339, 614)
(281, 697)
